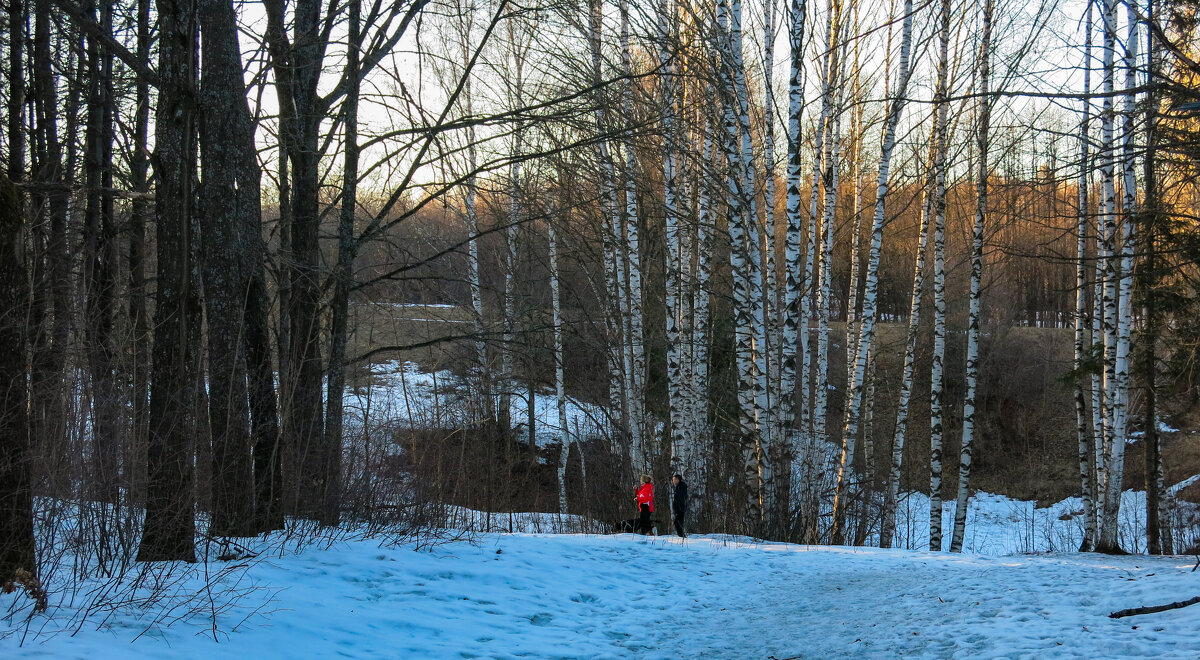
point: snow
(401, 393)
(589, 596)
(1163, 427)
(571, 595)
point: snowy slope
(584, 596)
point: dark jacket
(679, 502)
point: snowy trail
(577, 596)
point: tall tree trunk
(744, 253)
(52, 268)
(17, 38)
(231, 204)
(1083, 335)
(343, 276)
(560, 395)
(169, 529)
(1107, 258)
(1108, 541)
(794, 284)
(1158, 539)
(18, 558)
(297, 68)
(635, 330)
(871, 279)
(937, 385)
(608, 215)
(682, 450)
(100, 265)
(139, 213)
(981, 210)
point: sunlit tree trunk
(973, 320)
(871, 277)
(825, 173)
(681, 449)
(794, 283)
(1108, 540)
(769, 367)
(744, 251)
(937, 384)
(1158, 539)
(1107, 258)
(1083, 335)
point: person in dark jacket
(679, 503)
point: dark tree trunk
(342, 277)
(264, 420)
(16, 90)
(169, 532)
(100, 265)
(51, 266)
(297, 68)
(18, 562)
(139, 211)
(231, 205)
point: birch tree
(635, 362)
(866, 337)
(795, 321)
(1108, 540)
(744, 253)
(937, 393)
(981, 210)
(560, 396)
(1083, 335)
(1106, 259)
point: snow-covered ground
(534, 594)
(401, 393)
(587, 596)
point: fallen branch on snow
(1154, 608)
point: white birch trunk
(700, 330)
(560, 395)
(794, 320)
(937, 389)
(681, 450)
(1083, 335)
(486, 403)
(1108, 540)
(608, 210)
(1107, 256)
(825, 173)
(747, 272)
(871, 278)
(981, 210)
(632, 254)
(769, 373)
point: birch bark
(981, 210)
(937, 387)
(1083, 335)
(871, 277)
(1108, 540)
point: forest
(813, 255)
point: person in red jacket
(645, 502)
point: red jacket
(645, 495)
